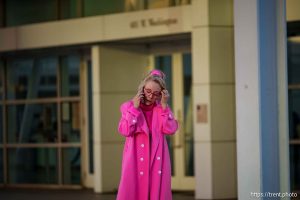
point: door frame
(179, 181)
(87, 177)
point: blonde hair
(155, 75)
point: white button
(141, 173)
(158, 158)
(142, 145)
(134, 121)
(142, 159)
(159, 172)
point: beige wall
(213, 84)
(97, 29)
(121, 69)
(292, 10)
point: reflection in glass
(69, 9)
(188, 115)
(71, 165)
(96, 7)
(70, 75)
(1, 124)
(32, 165)
(164, 63)
(32, 123)
(1, 166)
(295, 167)
(30, 79)
(29, 11)
(70, 122)
(151, 4)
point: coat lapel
(155, 134)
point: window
(18, 12)
(102, 7)
(294, 110)
(41, 112)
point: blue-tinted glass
(70, 75)
(30, 79)
(33, 165)
(164, 63)
(188, 115)
(19, 12)
(70, 116)
(71, 160)
(32, 123)
(1, 166)
(101, 7)
(295, 167)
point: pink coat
(145, 175)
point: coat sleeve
(169, 123)
(128, 121)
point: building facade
(66, 66)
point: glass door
(178, 69)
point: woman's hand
(137, 99)
(164, 98)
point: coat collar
(144, 125)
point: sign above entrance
(143, 23)
(148, 23)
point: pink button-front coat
(146, 167)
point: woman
(146, 119)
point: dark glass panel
(30, 79)
(32, 123)
(33, 165)
(20, 12)
(164, 63)
(69, 71)
(188, 115)
(1, 166)
(71, 165)
(1, 124)
(295, 167)
(102, 7)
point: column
(261, 97)
(214, 99)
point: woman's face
(152, 91)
